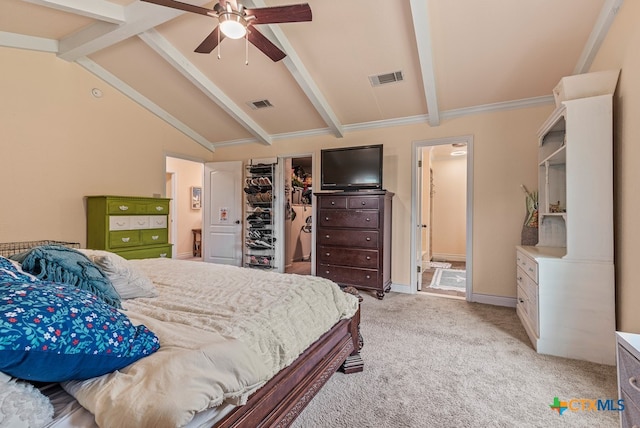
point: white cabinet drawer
(119, 222)
(527, 295)
(528, 265)
(157, 221)
(140, 222)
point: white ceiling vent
(383, 79)
(260, 104)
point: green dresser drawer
(122, 206)
(155, 207)
(124, 238)
(146, 253)
(154, 236)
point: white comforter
(224, 331)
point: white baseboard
(183, 256)
(486, 299)
(489, 299)
(401, 288)
(449, 257)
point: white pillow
(22, 405)
(129, 281)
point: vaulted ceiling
(454, 57)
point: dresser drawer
(629, 368)
(348, 238)
(155, 207)
(119, 222)
(139, 222)
(154, 236)
(146, 253)
(158, 221)
(339, 202)
(364, 202)
(630, 416)
(124, 238)
(348, 257)
(351, 276)
(528, 265)
(346, 218)
(118, 206)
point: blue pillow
(68, 266)
(56, 332)
(10, 272)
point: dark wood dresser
(353, 242)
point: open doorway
(184, 179)
(298, 227)
(442, 214)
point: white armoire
(565, 284)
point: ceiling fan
(236, 21)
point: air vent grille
(260, 104)
(383, 79)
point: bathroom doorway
(298, 216)
(442, 217)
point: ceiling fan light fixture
(233, 25)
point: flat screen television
(351, 168)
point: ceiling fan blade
(210, 42)
(265, 45)
(280, 14)
(183, 6)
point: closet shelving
(259, 239)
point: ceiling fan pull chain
(219, 43)
(246, 48)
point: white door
(419, 242)
(423, 205)
(222, 221)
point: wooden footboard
(283, 398)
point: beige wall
(449, 208)
(186, 175)
(620, 50)
(58, 144)
(505, 156)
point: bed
(237, 347)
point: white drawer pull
(632, 382)
(368, 219)
(327, 272)
(368, 239)
(364, 203)
(368, 276)
(333, 203)
(327, 236)
(123, 207)
(328, 254)
(159, 208)
(125, 239)
(163, 254)
(155, 237)
(368, 257)
(326, 218)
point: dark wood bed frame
(279, 402)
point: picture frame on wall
(196, 197)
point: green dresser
(133, 227)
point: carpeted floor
(435, 362)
